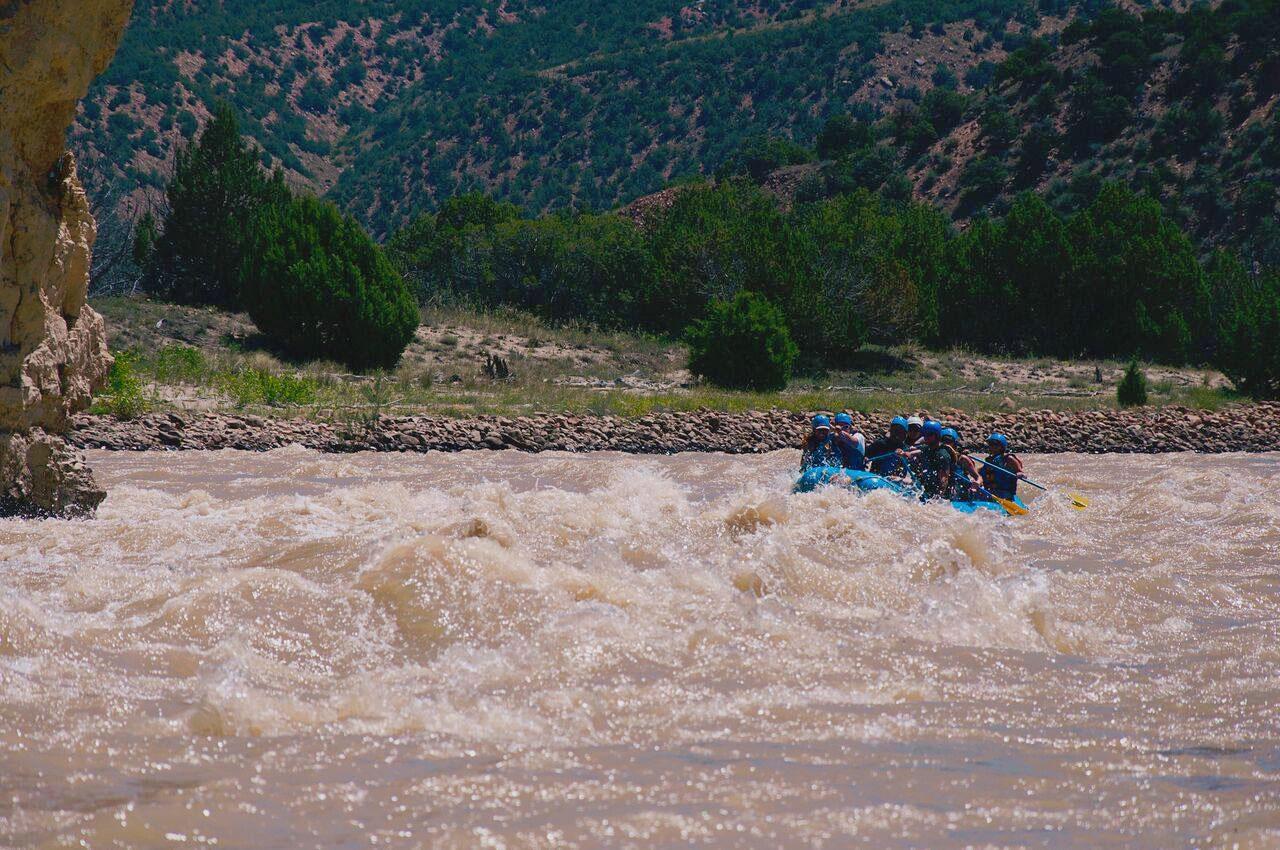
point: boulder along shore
(1240, 428)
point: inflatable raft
(823, 476)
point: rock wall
(1240, 428)
(53, 350)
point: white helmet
(916, 421)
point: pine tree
(217, 187)
(318, 287)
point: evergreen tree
(318, 287)
(1132, 389)
(217, 188)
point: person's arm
(1015, 465)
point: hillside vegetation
(1103, 185)
(395, 105)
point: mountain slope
(390, 106)
(401, 102)
(1183, 106)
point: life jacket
(999, 479)
(886, 465)
(935, 464)
(825, 453)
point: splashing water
(494, 649)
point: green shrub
(258, 386)
(123, 396)
(762, 155)
(743, 344)
(318, 287)
(176, 364)
(944, 108)
(1132, 390)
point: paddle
(1012, 508)
(1077, 502)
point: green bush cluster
(1249, 339)
(841, 270)
(311, 278)
(1115, 279)
(318, 287)
(259, 386)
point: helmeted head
(821, 424)
(931, 431)
(950, 435)
(998, 443)
(898, 427)
(844, 422)
(914, 426)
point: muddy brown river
(295, 650)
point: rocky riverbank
(1246, 428)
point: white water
(493, 649)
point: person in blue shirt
(851, 443)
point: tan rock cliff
(53, 350)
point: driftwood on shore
(1244, 428)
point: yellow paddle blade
(1013, 508)
(1078, 502)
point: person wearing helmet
(851, 443)
(889, 445)
(1003, 468)
(936, 460)
(914, 424)
(819, 447)
(967, 466)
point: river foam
(554, 650)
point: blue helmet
(900, 421)
(821, 421)
(999, 439)
(932, 427)
(844, 419)
(950, 434)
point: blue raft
(822, 476)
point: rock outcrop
(53, 350)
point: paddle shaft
(1017, 475)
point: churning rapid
(493, 649)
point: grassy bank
(182, 358)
